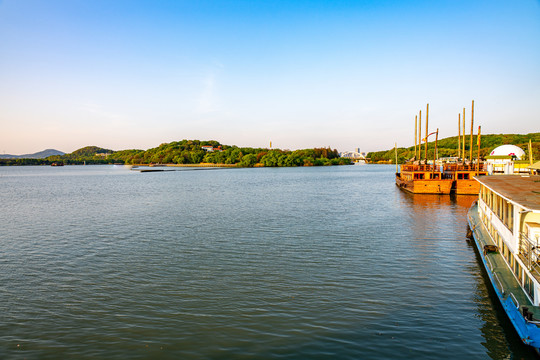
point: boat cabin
(427, 175)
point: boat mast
(459, 137)
(427, 119)
(415, 134)
(420, 136)
(478, 161)
(472, 129)
(435, 152)
(463, 142)
(530, 153)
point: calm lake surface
(289, 263)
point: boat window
(503, 209)
(517, 270)
(510, 217)
(529, 286)
(511, 261)
(508, 256)
(505, 251)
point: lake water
(289, 263)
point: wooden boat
(418, 178)
(423, 179)
(445, 178)
(463, 178)
(505, 225)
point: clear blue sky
(346, 74)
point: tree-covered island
(194, 152)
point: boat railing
(491, 267)
(531, 252)
(514, 300)
(411, 167)
(499, 282)
(465, 167)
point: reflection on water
(329, 262)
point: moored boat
(423, 179)
(463, 178)
(505, 225)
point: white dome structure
(508, 150)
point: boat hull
(527, 331)
(463, 175)
(466, 187)
(424, 186)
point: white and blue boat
(505, 225)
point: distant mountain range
(39, 155)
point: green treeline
(192, 152)
(448, 147)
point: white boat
(505, 225)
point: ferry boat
(423, 179)
(505, 225)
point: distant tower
(358, 150)
(270, 144)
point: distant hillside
(196, 152)
(193, 152)
(88, 154)
(39, 155)
(448, 147)
(88, 151)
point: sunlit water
(307, 263)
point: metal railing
(499, 282)
(530, 250)
(491, 267)
(514, 300)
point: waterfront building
(209, 148)
(353, 155)
(506, 159)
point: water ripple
(332, 262)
